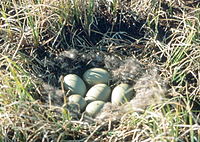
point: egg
(94, 108)
(75, 84)
(95, 76)
(99, 92)
(77, 99)
(122, 93)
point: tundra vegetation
(35, 36)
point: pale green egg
(94, 108)
(96, 76)
(122, 93)
(99, 92)
(77, 99)
(74, 84)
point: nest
(149, 87)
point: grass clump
(164, 34)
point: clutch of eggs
(93, 91)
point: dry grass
(164, 34)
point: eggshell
(95, 76)
(94, 108)
(75, 84)
(122, 93)
(77, 99)
(99, 92)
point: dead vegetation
(35, 40)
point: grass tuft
(161, 33)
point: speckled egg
(94, 108)
(96, 76)
(77, 99)
(98, 92)
(75, 84)
(122, 93)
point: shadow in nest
(75, 50)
